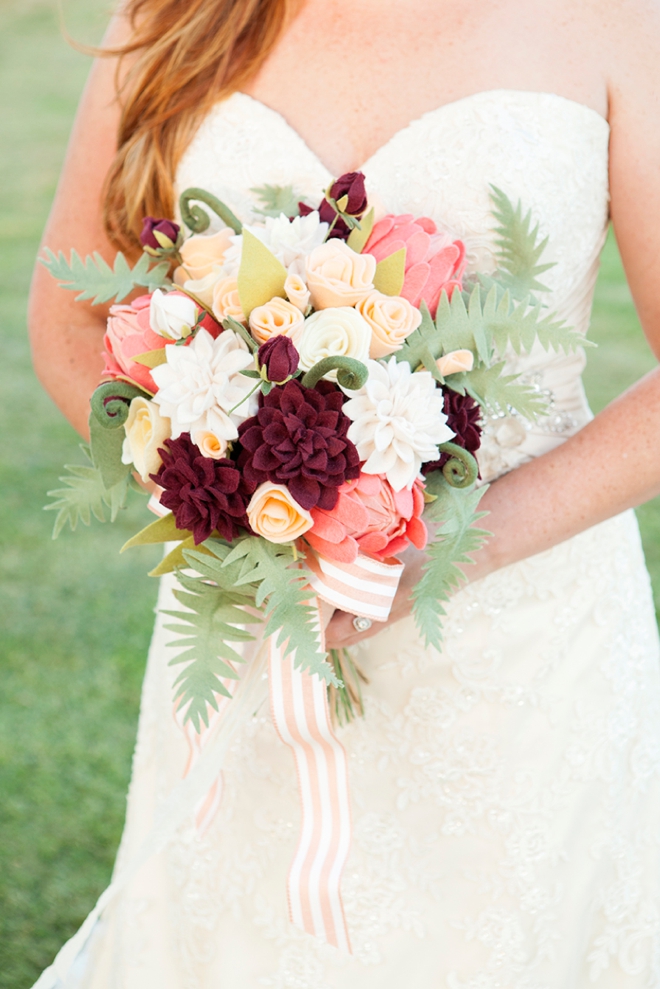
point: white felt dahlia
(201, 387)
(289, 240)
(398, 422)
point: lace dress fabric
(505, 792)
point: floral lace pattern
(506, 793)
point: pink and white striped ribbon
(365, 587)
(207, 807)
(301, 716)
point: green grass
(77, 616)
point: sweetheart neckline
(416, 121)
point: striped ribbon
(208, 805)
(365, 587)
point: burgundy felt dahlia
(151, 226)
(298, 438)
(204, 494)
(464, 418)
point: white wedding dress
(505, 793)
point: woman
(506, 812)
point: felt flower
(391, 319)
(298, 438)
(203, 494)
(369, 517)
(455, 361)
(274, 318)
(274, 514)
(278, 359)
(297, 292)
(201, 385)
(330, 332)
(172, 314)
(129, 334)
(226, 300)
(291, 240)
(397, 421)
(337, 276)
(351, 186)
(146, 431)
(158, 233)
(433, 261)
(464, 419)
(203, 254)
(209, 444)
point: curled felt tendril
(111, 401)
(461, 470)
(351, 374)
(197, 220)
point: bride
(505, 793)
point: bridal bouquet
(306, 392)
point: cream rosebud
(297, 291)
(276, 318)
(146, 431)
(171, 314)
(202, 253)
(337, 276)
(391, 319)
(226, 301)
(209, 444)
(201, 288)
(274, 514)
(332, 332)
(455, 361)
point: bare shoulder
(628, 41)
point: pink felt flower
(369, 517)
(433, 261)
(128, 334)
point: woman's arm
(614, 462)
(66, 335)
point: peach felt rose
(202, 254)
(337, 276)
(297, 292)
(391, 319)
(128, 334)
(455, 361)
(433, 261)
(369, 517)
(146, 431)
(209, 444)
(226, 301)
(274, 514)
(276, 318)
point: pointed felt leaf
(151, 358)
(390, 273)
(163, 530)
(277, 199)
(85, 495)
(359, 237)
(261, 276)
(174, 560)
(96, 280)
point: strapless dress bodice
(546, 151)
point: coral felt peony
(203, 494)
(298, 438)
(398, 421)
(369, 517)
(129, 334)
(433, 261)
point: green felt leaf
(151, 358)
(85, 495)
(277, 199)
(457, 538)
(521, 324)
(261, 276)
(390, 273)
(174, 560)
(282, 592)
(229, 323)
(499, 393)
(518, 247)
(358, 237)
(423, 346)
(96, 280)
(162, 530)
(106, 447)
(462, 327)
(214, 620)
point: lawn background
(76, 617)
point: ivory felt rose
(369, 517)
(337, 276)
(332, 332)
(276, 515)
(146, 431)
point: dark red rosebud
(280, 359)
(203, 494)
(351, 185)
(151, 228)
(327, 214)
(464, 419)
